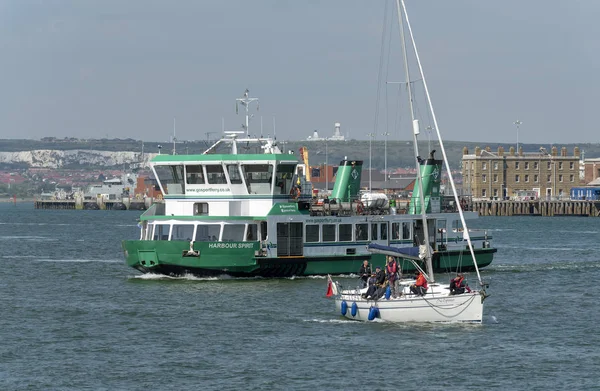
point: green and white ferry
(253, 214)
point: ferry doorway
(289, 239)
(419, 236)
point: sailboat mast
(415, 124)
(437, 129)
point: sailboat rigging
(439, 303)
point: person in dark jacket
(458, 285)
(377, 290)
(365, 272)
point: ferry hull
(240, 260)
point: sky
(127, 69)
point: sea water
(73, 316)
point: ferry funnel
(347, 182)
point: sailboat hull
(464, 308)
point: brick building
(497, 175)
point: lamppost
(517, 122)
(326, 167)
(371, 135)
(385, 134)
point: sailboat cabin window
(329, 232)
(215, 174)
(182, 232)
(171, 178)
(234, 174)
(201, 209)
(194, 175)
(233, 232)
(312, 233)
(362, 232)
(345, 232)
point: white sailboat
(438, 304)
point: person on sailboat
(391, 269)
(419, 288)
(377, 289)
(458, 285)
(365, 272)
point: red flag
(329, 289)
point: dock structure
(124, 204)
(537, 208)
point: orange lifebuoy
(295, 192)
(159, 197)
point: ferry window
(201, 209)
(258, 178)
(182, 232)
(329, 232)
(345, 232)
(312, 233)
(234, 174)
(263, 230)
(215, 174)
(374, 231)
(208, 232)
(252, 233)
(194, 175)
(284, 178)
(362, 232)
(384, 231)
(171, 178)
(161, 231)
(406, 226)
(233, 232)
(395, 231)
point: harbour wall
(80, 204)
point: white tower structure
(337, 133)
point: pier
(537, 208)
(79, 204)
